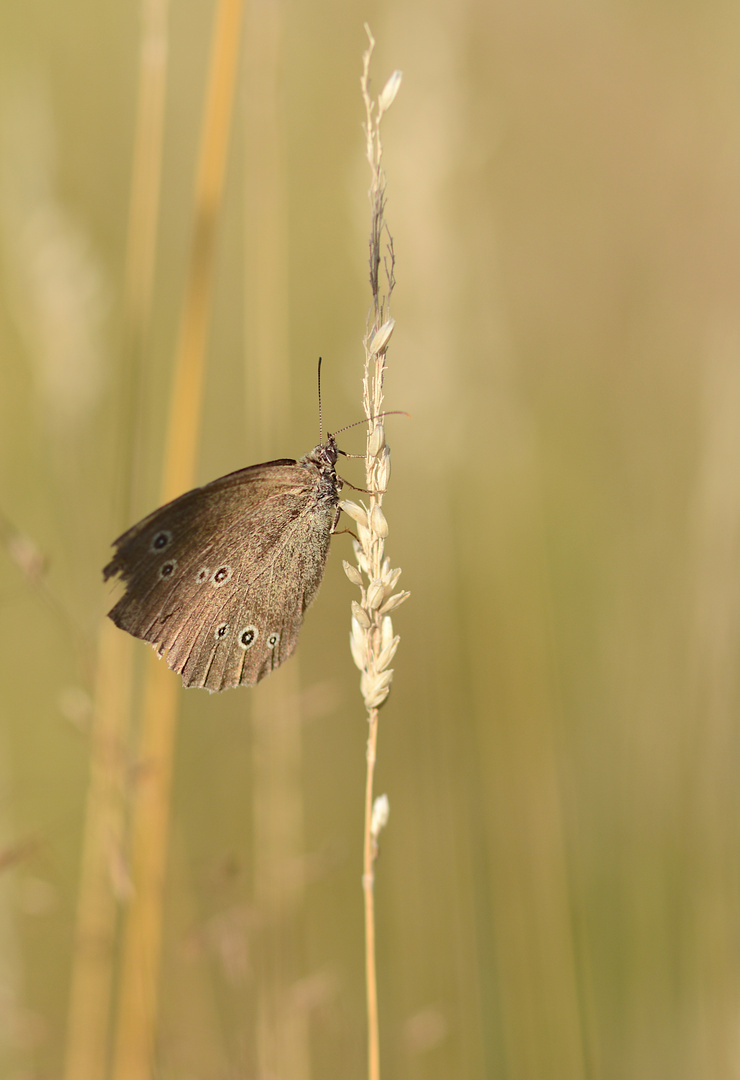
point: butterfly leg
(364, 491)
(333, 529)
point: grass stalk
(138, 1001)
(91, 980)
(372, 641)
(368, 882)
(279, 1040)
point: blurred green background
(558, 890)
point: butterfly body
(218, 580)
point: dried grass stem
(372, 641)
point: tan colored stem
(368, 885)
(138, 1004)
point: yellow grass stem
(88, 1022)
(281, 1035)
(138, 1001)
(92, 968)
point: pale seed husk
(353, 510)
(393, 602)
(380, 814)
(389, 91)
(352, 573)
(378, 523)
(375, 595)
(361, 615)
(376, 442)
(381, 337)
(386, 654)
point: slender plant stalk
(368, 881)
(142, 233)
(138, 1002)
(279, 1042)
(92, 971)
(91, 979)
(372, 640)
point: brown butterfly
(218, 580)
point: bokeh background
(558, 890)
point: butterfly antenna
(368, 419)
(321, 433)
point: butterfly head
(324, 456)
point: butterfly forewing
(218, 579)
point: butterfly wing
(218, 580)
